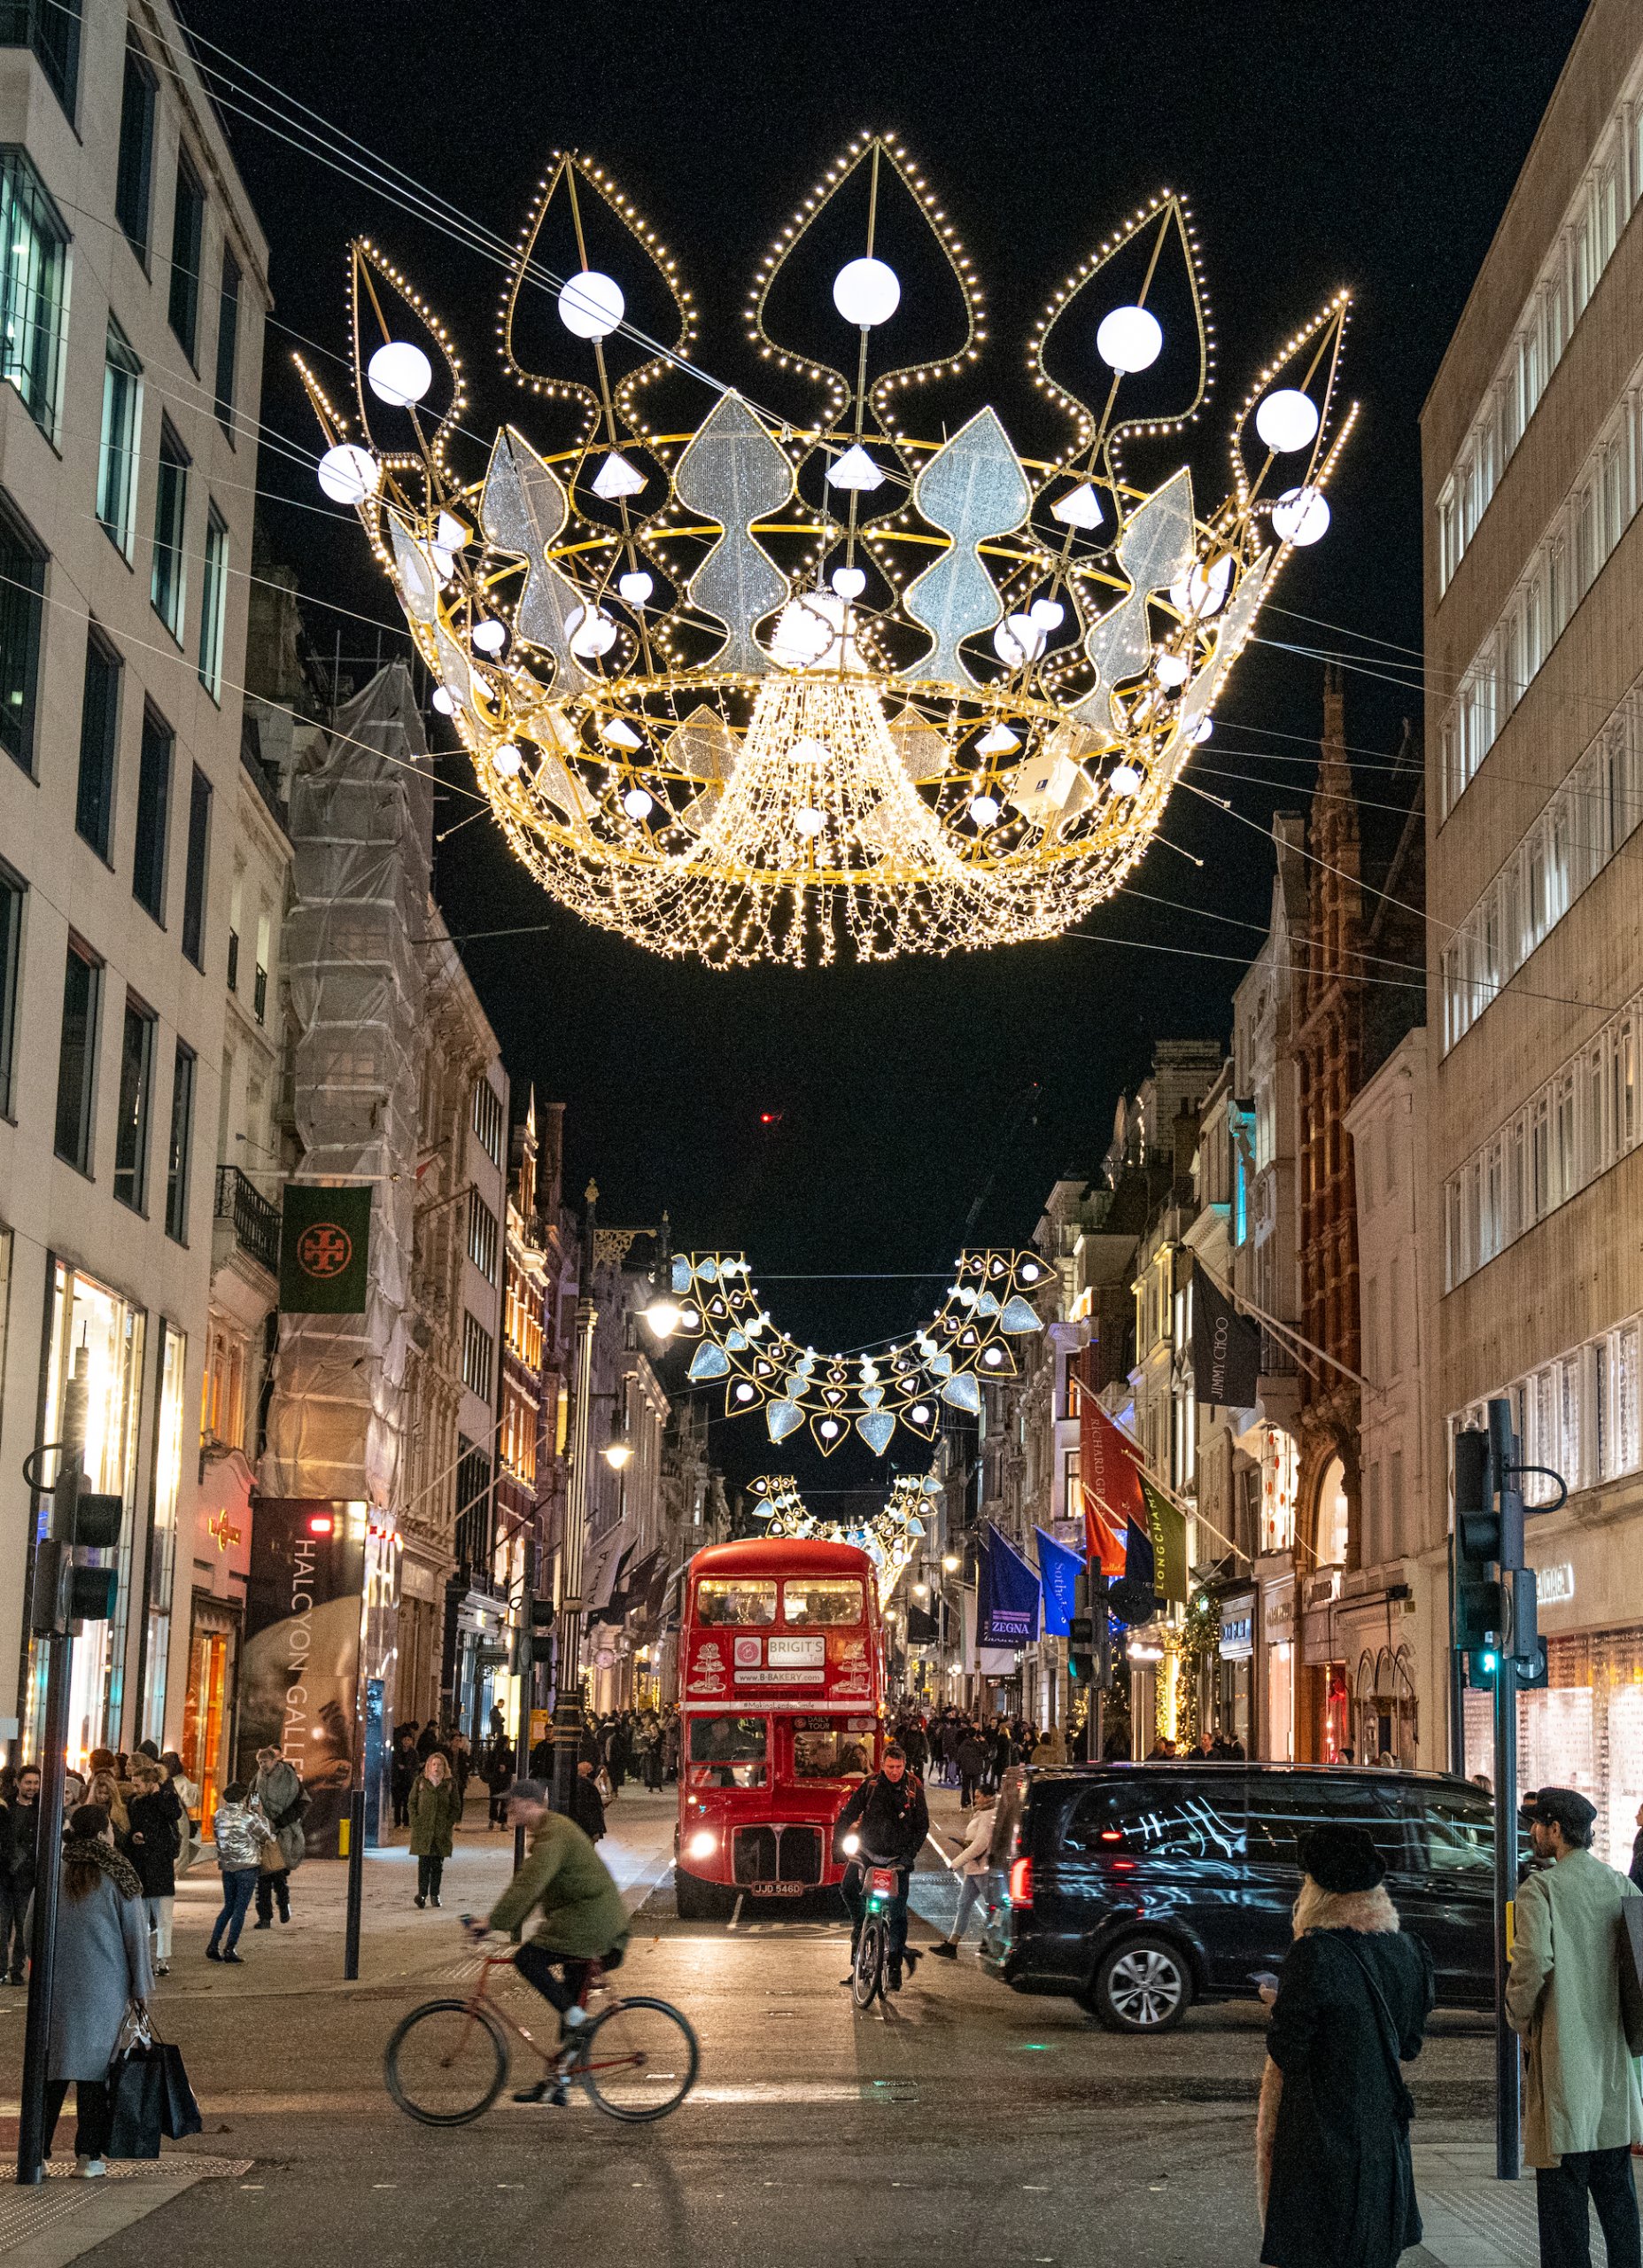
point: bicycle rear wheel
(638, 2061)
(867, 1975)
(446, 2063)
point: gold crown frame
(727, 698)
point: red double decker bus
(781, 1692)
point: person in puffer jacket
(240, 1830)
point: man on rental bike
(584, 1920)
(884, 1824)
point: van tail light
(1021, 1884)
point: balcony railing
(255, 1218)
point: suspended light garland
(870, 1391)
(888, 1538)
(724, 699)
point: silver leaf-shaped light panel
(733, 473)
(972, 489)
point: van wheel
(696, 1901)
(1143, 1986)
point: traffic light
(1081, 1640)
(1483, 1662)
(81, 1519)
(1478, 1619)
(535, 1643)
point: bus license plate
(776, 1889)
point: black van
(1139, 1888)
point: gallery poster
(299, 1667)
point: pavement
(956, 2119)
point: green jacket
(582, 1910)
(434, 1814)
(1563, 1996)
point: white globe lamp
(399, 374)
(1129, 339)
(591, 305)
(1300, 516)
(1287, 420)
(866, 292)
(349, 474)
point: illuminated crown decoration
(887, 1537)
(771, 689)
(869, 1391)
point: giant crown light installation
(772, 691)
(888, 1536)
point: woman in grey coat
(278, 1787)
(102, 1968)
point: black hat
(1341, 1859)
(1564, 1807)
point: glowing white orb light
(866, 292)
(1129, 339)
(349, 474)
(1300, 516)
(507, 759)
(490, 635)
(591, 305)
(399, 374)
(984, 809)
(443, 702)
(1124, 780)
(1287, 420)
(638, 804)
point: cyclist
(583, 1919)
(884, 1824)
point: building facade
(1532, 453)
(133, 294)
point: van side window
(1454, 1835)
(1283, 1811)
(1166, 1816)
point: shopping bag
(137, 2103)
(180, 2112)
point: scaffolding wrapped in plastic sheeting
(362, 820)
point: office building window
(133, 174)
(259, 973)
(117, 453)
(187, 228)
(22, 606)
(474, 1527)
(177, 1148)
(99, 736)
(52, 28)
(76, 1060)
(228, 338)
(148, 878)
(136, 1079)
(477, 1354)
(168, 584)
(488, 1119)
(213, 601)
(10, 950)
(194, 879)
(34, 307)
(483, 1237)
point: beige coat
(1563, 1996)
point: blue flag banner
(1007, 1607)
(1059, 1569)
(1140, 1558)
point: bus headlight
(702, 1844)
(851, 1845)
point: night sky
(1317, 147)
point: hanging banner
(923, 1629)
(325, 1238)
(603, 1566)
(1058, 1570)
(299, 1664)
(1225, 1350)
(1009, 1613)
(1140, 1560)
(1112, 1484)
(1168, 1525)
(977, 1660)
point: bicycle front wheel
(446, 2063)
(867, 1976)
(638, 2061)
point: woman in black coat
(159, 1823)
(1337, 2184)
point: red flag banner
(1112, 1480)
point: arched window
(1333, 1516)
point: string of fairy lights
(890, 1536)
(719, 701)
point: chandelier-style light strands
(776, 690)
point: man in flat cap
(1582, 2111)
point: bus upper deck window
(746, 1602)
(815, 1600)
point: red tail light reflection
(1021, 1882)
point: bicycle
(873, 1946)
(446, 2062)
